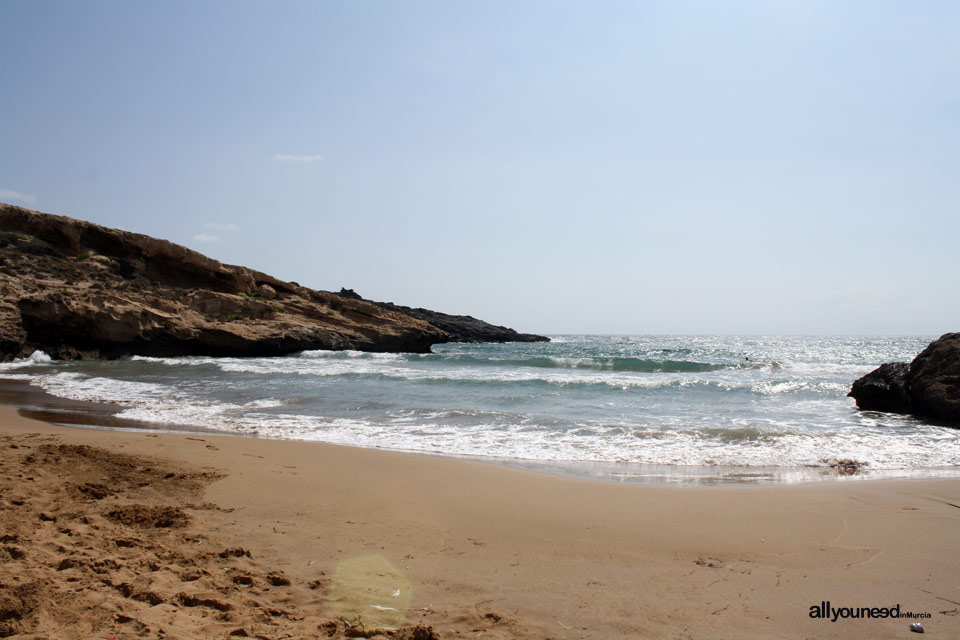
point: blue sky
(587, 167)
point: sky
(732, 167)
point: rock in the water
(935, 379)
(78, 290)
(459, 328)
(928, 387)
(884, 389)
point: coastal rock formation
(928, 387)
(935, 379)
(886, 388)
(459, 328)
(77, 290)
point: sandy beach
(479, 321)
(131, 534)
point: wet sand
(138, 534)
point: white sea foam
(790, 386)
(176, 362)
(347, 354)
(853, 371)
(771, 446)
(482, 400)
(36, 358)
(322, 364)
(78, 386)
(655, 447)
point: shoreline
(39, 404)
(521, 554)
(517, 553)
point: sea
(664, 409)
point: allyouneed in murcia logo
(824, 611)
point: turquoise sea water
(662, 408)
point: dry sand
(132, 534)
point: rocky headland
(928, 387)
(77, 290)
(459, 328)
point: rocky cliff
(928, 387)
(78, 290)
(459, 328)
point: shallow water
(697, 409)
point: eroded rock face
(928, 387)
(78, 290)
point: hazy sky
(587, 167)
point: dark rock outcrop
(884, 389)
(935, 379)
(459, 328)
(928, 387)
(78, 290)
